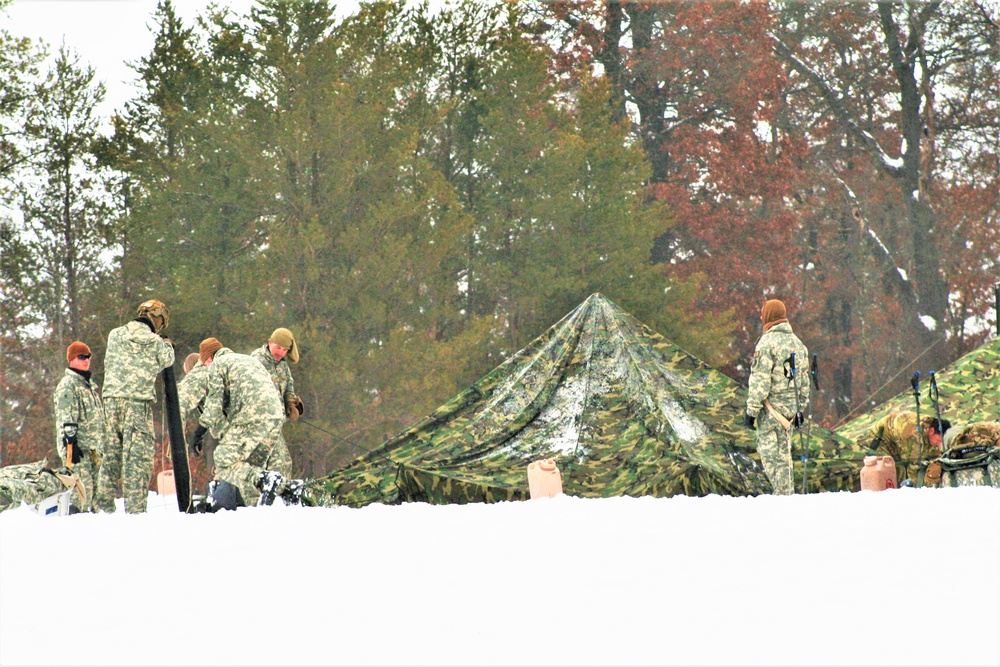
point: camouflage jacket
(77, 402)
(280, 372)
(192, 389)
(135, 356)
(240, 393)
(974, 435)
(770, 373)
(896, 435)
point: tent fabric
(968, 391)
(621, 411)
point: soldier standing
(275, 355)
(136, 355)
(243, 410)
(80, 424)
(776, 398)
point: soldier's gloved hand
(196, 440)
(748, 421)
(798, 420)
(292, 407)
(69, 433)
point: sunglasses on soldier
(83, 357)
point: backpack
(971, 465)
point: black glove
(798, 420)
(748, 421)
(196, 444)
(69, 438)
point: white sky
(898, 577)
(107, 34)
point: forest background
(417, 195)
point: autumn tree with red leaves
(842, 157)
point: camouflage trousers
(774, 444)
(247, 451)
(28, 482)
(128, 455)
(87, 470)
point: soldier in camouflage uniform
(244, 411)
(34, 482)
(771, 383)
(280, 350)
(80, 423)
(976, 434)
(192, 389)
(895, 435)
(135, 356)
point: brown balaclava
(76, 348)
(208, 347)
(772, 313)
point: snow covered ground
(907, 577)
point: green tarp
(620, 409)
(969, 391)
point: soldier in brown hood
(777, 397)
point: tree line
(417, 194)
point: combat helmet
(154, 308)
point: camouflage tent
(621, 410)
(968, 389)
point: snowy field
(907, 577)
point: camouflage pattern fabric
(967, 388)
(128, 455)
(77, 402)
(192, 389)
(135, 356)
(281, 374)
(772, 380)
(975, 435)
(896, 435)
(247, 451)
(620, 409)
(244, 411)
(972, 455)
(30, 483)
(279, 370)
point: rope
(886, 383)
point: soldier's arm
(211, 414)
(67, 415)
(760, 381)
(165, 355)
(290, 387)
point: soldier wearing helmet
(136, 354)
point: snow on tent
(620, 409)
(968, 390)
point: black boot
(223, 496)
